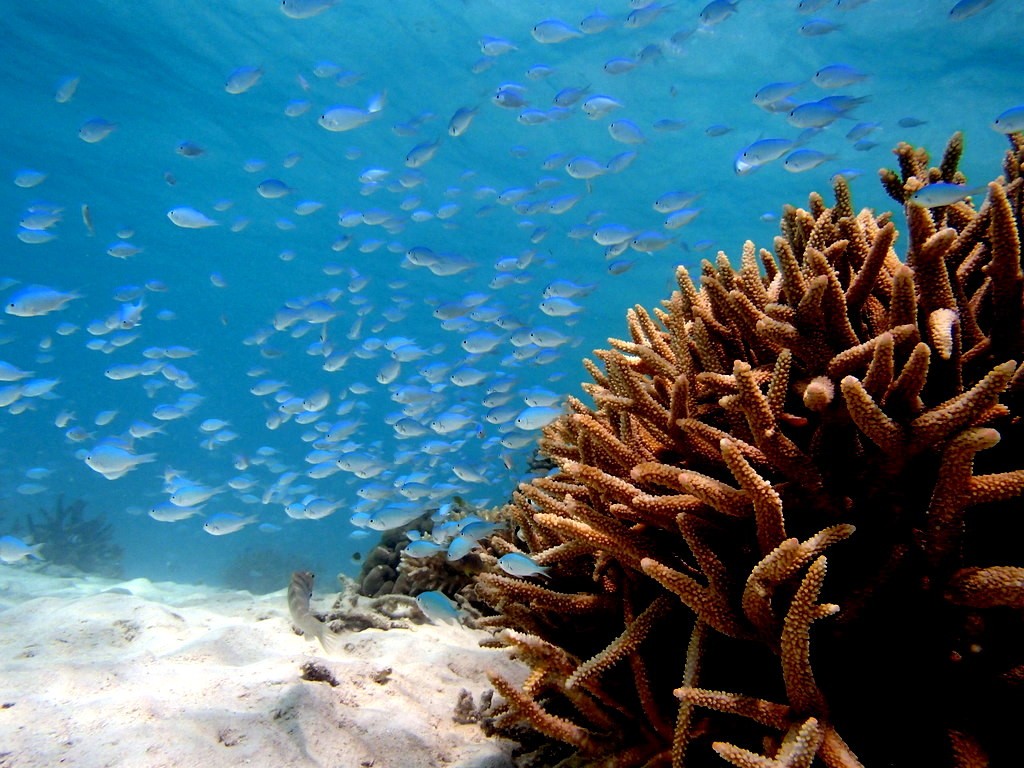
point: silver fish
(300, 590)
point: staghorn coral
(789, 531)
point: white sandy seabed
(95, 673)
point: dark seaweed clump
(71, 538)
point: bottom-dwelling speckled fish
(299, 593)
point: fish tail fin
(377, 102)
(34, 552)
(333, 643)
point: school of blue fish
(359, 286)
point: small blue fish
(537, 416)
(27, 178)
(641, 17)
(123, 250)
(130, 315)
(1010, 121)
(66, 89)
(595, 23)
(547, 337)
(393, 516)
(558, 306)
(943, 193)
(518, 564)
(650, 241)
(810, 6)
(716, 12)
(35, 300)
(460, 546)
(818, 27)
(800, 160)
(552, 31)
(681, 218)
(967, 8)
(626, 132)
(478, 529)
(13, 550)
(814, 114)
(765, 150)
(567, 289)
(193, 495)
(613, 234)
(621, 266)
(304, 9)
(496, 46)
(10, 372)
(113, 461)
(461, 120)
(344, 118)
(34, 236)
(187, 217)
(620, 65)
(583, 167)
(510, 96)
(271, 189)
(775, 92)
(482, 341)
(422, 153)
(837, 76)
(96, 130)
(673, 201)
(599, 105)
(860, 130)
(436, 606)
(569, 96)
(165, 512)
(297, 107)
(189, 149)
(226, 522)
(242, 79)
(422, 548)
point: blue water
(158, 71)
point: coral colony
(788, 531)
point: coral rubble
(789, 529)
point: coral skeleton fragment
(788, 531)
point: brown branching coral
(789, 532)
